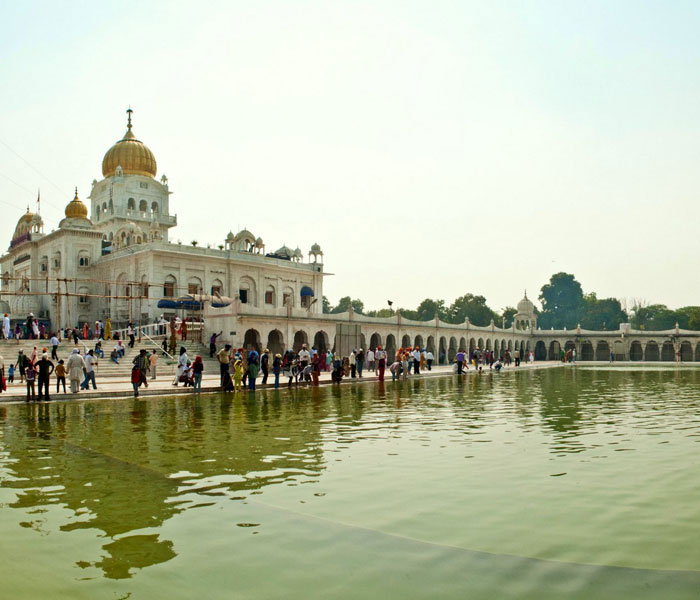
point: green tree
(508, 313)
(326, 305)
(562, 301)
(654, 317)
(427, 310)
(471, 306)
(601, 314)
(346, 302)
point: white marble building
(119, 262)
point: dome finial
(76, 193)
(128, 112)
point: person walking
(31, 377)
(460, 361)
(136, 380)
(265, 365)
(370, 359)
(353, 361)
(76, 370)
(3, 384)
(60, 376)
(182, 361)
(253, 369)
(143, 363)
(416, 360)
(360, 361)
(108, 329)
(86, 331)
(380, 360)
(212, 343)
(6, 332)
(54, 346)
(90, 364)
(22, 362)
(153, 360)
(429, 360)
(197, 370)
(277, 368)
(130, 333)
(44, 369)
(224, 358)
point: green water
(575, 483)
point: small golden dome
(76, 209)
(132, 155)
(26, 217)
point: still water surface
(575, 482)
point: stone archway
(418, 341)
(375, 340)
(321, 341)
(251, 340)
(442, 351)
(390, 348)
(686, 352)
(405, 341)
(300, 338)
(452, 350)
(430, 345)
(636, 352)
(540, 351)
(275, 342)
(651, 352)
(697, 351)
(462, 344)
(587, 352)
(668, 353)
(472, 346)
(554, 350)
(602, 350)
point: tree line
(563, 305)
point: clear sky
(431, 148)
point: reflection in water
(124, 469)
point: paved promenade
(113, 387)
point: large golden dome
(132, 155)
(76, 209)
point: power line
(34, 168)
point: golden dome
(76, 209)
(26, 217)
(132, 155)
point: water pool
(564, 482)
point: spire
(76, 194)
(129, 135)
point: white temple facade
(119, 262)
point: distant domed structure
(29, 222)
(132, 155)
(525, 318)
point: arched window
(194, 285)
(246, 291)
(83, 295)
(104, 207)
(169, 286)
(154, 208)
(307, 296)
(217, 287)
(83, 259)
(131, 204)
(288, 297)
(270, 295)
(143, 206)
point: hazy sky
(431, 148)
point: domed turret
(29, 222)
(76, 209)
(132, 155)
(525, 307)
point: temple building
(118, 260)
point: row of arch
(447, 348)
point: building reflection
(124, 469)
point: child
(136, 380)
(197, 369)
(238, 375)
(11, 374)
(60, 376)
(114, 356)
(164, 345)
(30, 374)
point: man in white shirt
(6, 326)
(353, 366)
(90, 364)
(429, 360)
(303, 356)
(54, 347)
(370, 360)
(416, 361)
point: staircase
(9, 349)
